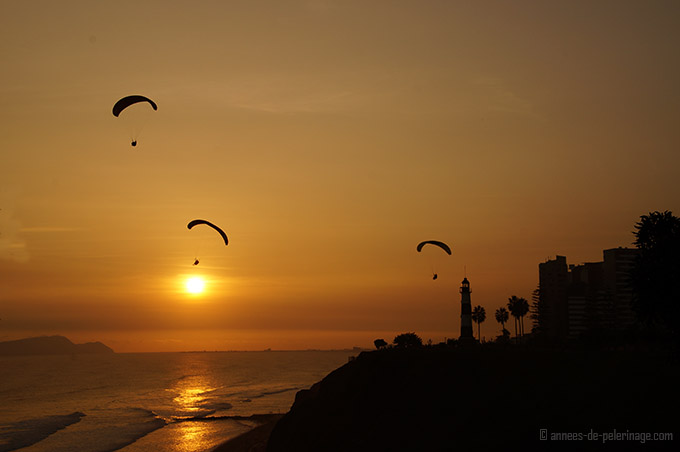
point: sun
(195, 285)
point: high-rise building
(589, 296)
(584, 288)
(618, 263)
(553, 276)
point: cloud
(12, 246)
(49, 229)
(496, 96)
(290, 100)
(282, 93)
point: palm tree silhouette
(518, 307)
(502, 316)
(478, 316)
(512, 307)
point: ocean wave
(272, 392)
(137, 423)
(230, 417)
(221, 406)
(102, 430)
(30, 431)
(185, 377)
(202, 410)
(192, 415)
(247, 394)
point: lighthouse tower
(465, 311)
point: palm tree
(518, 307)
(522, 310)
(502, 316)
(513, 308)
(478, 316)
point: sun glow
(195, 285)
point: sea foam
(30, 431)
(101, 431)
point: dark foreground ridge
(483, 399)
(50, 345)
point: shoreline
(254, 440)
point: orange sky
(327, 138)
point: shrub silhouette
(408, 340)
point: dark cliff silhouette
(482, 398)
(50, 345)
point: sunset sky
(327, 138)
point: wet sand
(254, 440)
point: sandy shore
(254, 440)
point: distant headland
(50, 345)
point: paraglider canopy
(126, 101)
(441, 245)
(438, 244)
(133, 113)
(207, 223)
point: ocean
(132, 402)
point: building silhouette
(618, 263)
(553, 277)
(593, 296)
(584, 291)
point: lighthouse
(465, 311)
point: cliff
(50, 345)
(481, 399)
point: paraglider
(216, 228)
(207, 223)
(126, 101)
(134, 124)
(441, 245)
(437, 243)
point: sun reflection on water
(192, 400)
(196, 413)
(193, 436)
(194, 397)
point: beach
(254, 440)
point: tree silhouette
(655, 277)
(380, 343)
(522, 310)
(478, 316)
(502, 316)
(408, 340)
(514, 312)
